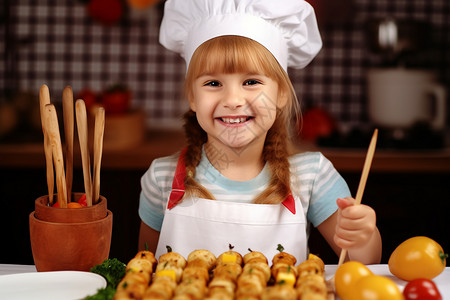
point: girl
(237, 182)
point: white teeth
(234, 120)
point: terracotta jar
(70, 238)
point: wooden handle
(58, 159)
(82, 127)
(98, 149)
(44, 99)
(68, 131)
(362, 182)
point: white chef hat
(287, 28)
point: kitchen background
(58, 43)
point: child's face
(236, 109)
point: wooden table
(160, 143)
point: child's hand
(355, 224)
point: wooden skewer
(362, 182)
(58, 159)
(44, 99)
(98, 148)
(82, 127)
(68, 131)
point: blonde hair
(234, 54)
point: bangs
(231, 54)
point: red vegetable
(117, 99)
(105, 11)
(82, 200)
(89, 97)
(421, 289)
(316, 123)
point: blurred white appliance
(400, 97)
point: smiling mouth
(237, 120)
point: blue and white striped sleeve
(327, 187)
(155, 189)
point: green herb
(280, 248)
(106, 293)
(112, 269)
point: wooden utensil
(82, 127)
(44, 99)
(363, 180)
(98, 148)
(58, 159)
(68, 132)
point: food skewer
(82, 127)
(44, 99)
(68, 132)
(362, 182)
(58, 159)
(98, 148)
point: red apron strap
(289, 203)
(178, 189)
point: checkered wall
(56, 43)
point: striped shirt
(313, 179)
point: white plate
(61, 285)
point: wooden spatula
(82, 127)
(58, 159)
(98, 148)
(68, 132)
(44, 99)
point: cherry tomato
(375, 287)
(347, 275)
(74, 205)
(423, 289)
(417, 257)
(82, 200)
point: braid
(276, 154)
(196, 137)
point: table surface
(163, 142)
(442, 281)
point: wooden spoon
(44, 99)
(58, 159)
(82, 127)
(98, 148)
(362, 182)
(68, 131)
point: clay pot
(70, 238)
(63, 215)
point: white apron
(214, 225)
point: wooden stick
(58, 159)
(362, 182)
(82, 127)
(68, 131)
(44, 99)
(98, 148)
